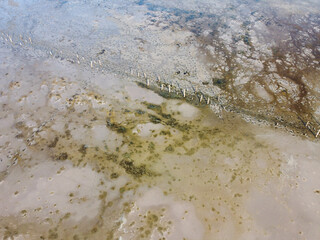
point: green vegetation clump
(63, 156)
(116, 127)
(114, 175)
(140, 112)
(136, 171)
(154, 119)
(53, 144)
(169, 148)
(83, 149)
(220, 82)
(155, 107)
(151, 147)
(112, 157)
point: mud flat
(151, 120)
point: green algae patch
(53, 144)
(151, 147)
(190, 151)
(116, 127)
(154, 107)
(166, 133)
(168, 120)
(112, 157)
(135, 171)
(140, 112)
(114, 175)
(83, 149)
(169, 149)
(220, 82)
(63, 156)
(154, 119)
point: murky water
(140, 120)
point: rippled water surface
(159, 119)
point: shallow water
(88, 152)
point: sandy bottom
(95, 156)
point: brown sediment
(278, 110)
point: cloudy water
(159, 119)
